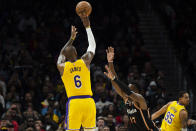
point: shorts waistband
(79, 97)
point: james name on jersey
(75, 69)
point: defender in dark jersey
(136, 105)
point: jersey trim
(63, 70)
(79, 97)
(85, 64)
(143, 117)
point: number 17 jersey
(171, 121)
(76, 78)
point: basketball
(83, 7)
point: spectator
(29, 123)
(106, 128)
(110, 122)
(3, 86)
(6, 123)
(125, 123)
(100, 124)
(50, 124)
(28, 101)
(30, 113)
(2, 102)
(101, 103)
(27, 22)
(14, 113)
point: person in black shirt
(140, 119)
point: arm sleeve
(91, 41)
(123, 86)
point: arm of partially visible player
(191, 122)
(160, 112)
(134, 96)
(184, 118)
(62, 58)
(88, 56)
(110, 58)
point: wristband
(123, 87)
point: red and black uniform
(139, 119)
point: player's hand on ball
(109, 74)
(83, 9)
(73, 32)
(110, 54)
(85, 20)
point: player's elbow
(92, 47)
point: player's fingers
(112, 49)
(106, 51)
(107, 68)
(74, 29)
(106, 74)
(109, 49)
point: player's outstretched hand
(109, 73)
(110, 54)
(73, 32)
(85, 20)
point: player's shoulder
(183, 112)
(81, 61)
(170, 103)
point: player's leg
(89, 115)
(73, 118)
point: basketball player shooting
(135, 103)
(75, 74)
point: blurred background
(154, 45)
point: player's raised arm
(161, 111)
(62, 58)
(88, 56)
(110, 58)
(134, 96)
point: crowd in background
(179, 16)
(32, 33)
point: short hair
(100, 118)
(181, 94)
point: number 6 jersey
(171, 121)
(76, 78)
